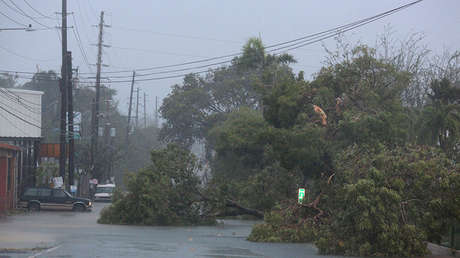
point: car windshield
(104, 190)
(67, 193)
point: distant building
(21, 126)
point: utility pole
(145, 113)
(137, 109)
(95, 126)
(129, 109)
(70, 119)
(64, 69)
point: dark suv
(37, 198)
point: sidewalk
(441, 251)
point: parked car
(104, 192)
(37, 198)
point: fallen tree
(169, 193)
(380, 201)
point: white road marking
(47, 251)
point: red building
(8, 176)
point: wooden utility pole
(63, 86)
(95, 126)
(129, 109)
(70, 119)
(145, 112)
(137, 109)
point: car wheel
(79, 208)
(34, 206)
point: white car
(104, 192)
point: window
(44, 192)
(59, 193)
(31, 192)
(104, 189)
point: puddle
(231, 252)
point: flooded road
(72, 234)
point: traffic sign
(301, 195)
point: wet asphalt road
(72, 234)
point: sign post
(301, 195)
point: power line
(15, 126)
(177, 35)
(13, 20)
(20, 118)
(157, 52)
(168, 71)
(338, 29)
(76, 33)
(31, 7)
(19, 112)
(25, 14)
(83, 20)
(25, 57)
(299, 42)
(57, 31)
(14, 100)
(306, 40)
(9, 92)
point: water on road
(73, 234)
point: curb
(438, 250)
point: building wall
(20, 113)
(8, 175)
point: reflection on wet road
(70, 234)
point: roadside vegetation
(164, 193)
(373, 137)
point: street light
(29, 28)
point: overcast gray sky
(147, 33)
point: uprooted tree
(379, 201)
(164, 193)
(379, 193)
(168, 192)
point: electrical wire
(313, 38)
(157, 52)
(25, 14)
(176, 35)
(13, 103)
(25, 57)
(339, 28)
(82, 51)
(20, 118)
(30, 117)
(299, 42)
(14, 95)
(31, 7)
(79, 43)
(13, 20)
(57, 31)
(15, 126)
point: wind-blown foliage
(165, 193)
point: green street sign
(301, 195)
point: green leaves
(166, 193)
